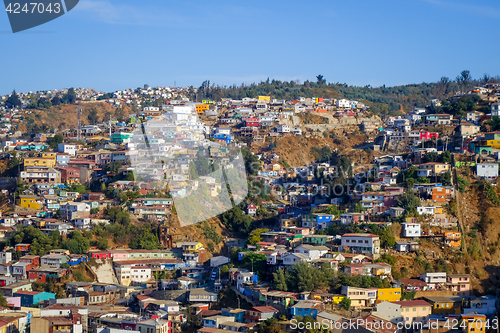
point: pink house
(458, 282)
(119, 255)
(14, 301)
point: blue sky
(111, 45)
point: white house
(72, 210)
(244, 277)
(313, 252)
(411, 229)
(82, 223)
(483, 304)
(294, 258)
(140, 273)
(487, 170)
(68, 149)
(283, 128)
(439, 277)
(362, 243)
(426, 210)
(343, 103)
(495, 109)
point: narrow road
(454, 182)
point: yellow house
(445, 305)
(474, 323)
(190, 246)
(264, 98)
(276, 167)
(493, 143)
(289, 223)
(388, 294)
(31, 202)
(432, 169)
(201, 108)
(51, 155)
(39, 161)
(439, 210)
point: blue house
(31, 298)
(224, 137)
(236, 313)
(317, 220)
(306, 308)
(62, 159)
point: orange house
(321, 110)
(22, 247)
(452, 238)
(441, 194)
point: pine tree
(280, 280)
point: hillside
(63, 117)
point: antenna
(79, 123)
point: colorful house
(474, 323)
(100, 255)
(30, 202)
(452, 238)
(307, 308)
(445, 305)
(31, 298)
(388, 294)
(39, 161)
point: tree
(320, 80)
(346, 303)
(193, 174)
(76, 243)
(144, 239)
(431, 157)
(13, 101)
(93, 117)
(3, 302)
(55, 100)
(113, 167)
(446, 178)
(255, 237)
(495, 123)
(71, 96)
(445, 157)
(203, 165)
(102, 243)
(55, 141)
(464, 79)
(409, 201)
(280, 280)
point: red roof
(263, 309)
(27, 292)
